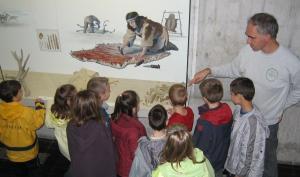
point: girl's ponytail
(117, 110)
(125, 103)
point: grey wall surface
(217, 33)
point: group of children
(99, 144)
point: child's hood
(217, 116)
(57, 121)
(11, 111)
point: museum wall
(218, 33)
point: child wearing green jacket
(180, 158)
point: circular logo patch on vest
(272, 74)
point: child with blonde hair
(180, 114)
(180, 158)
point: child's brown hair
(178, 94)
(85, 107)
(98, 84)
(158, 117)
(212, 90)
(125, 103)
(243, 86)
(178, 146)
(63, 98)
(9, 89)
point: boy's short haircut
(212, 90)
(98, 84)
(9, 89)
(157, 117)
(178, 95)
(243, 86)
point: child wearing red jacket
(213, 128)
(126, 129)
(181, 114)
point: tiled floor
(55, 165)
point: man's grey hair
(266, 24)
